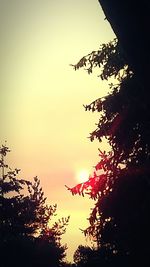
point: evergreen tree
(82, 255)
(26, 237)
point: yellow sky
(41, 98)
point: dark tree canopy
(26, 236)
(82, 255)
(130, 22)
(120, 184)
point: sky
(41, 97)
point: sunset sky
(41, 97)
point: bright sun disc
(83, 176)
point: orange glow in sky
(41, 97)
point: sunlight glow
(83, 176)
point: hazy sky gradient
(41, 98)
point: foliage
(25, 222)
(85, 256)
(120, 181)
(82, 255)
(108, 58)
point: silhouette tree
(120, 182)
(86, 257)
(82, 255)
(26, 237)
(130, 22)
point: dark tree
(26, 237)
(85, 256)
(120, 184)
(130, 22)
(82, 255)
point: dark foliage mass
(26, 237)
(130, 22)
(120, 183)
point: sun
(82, 176)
